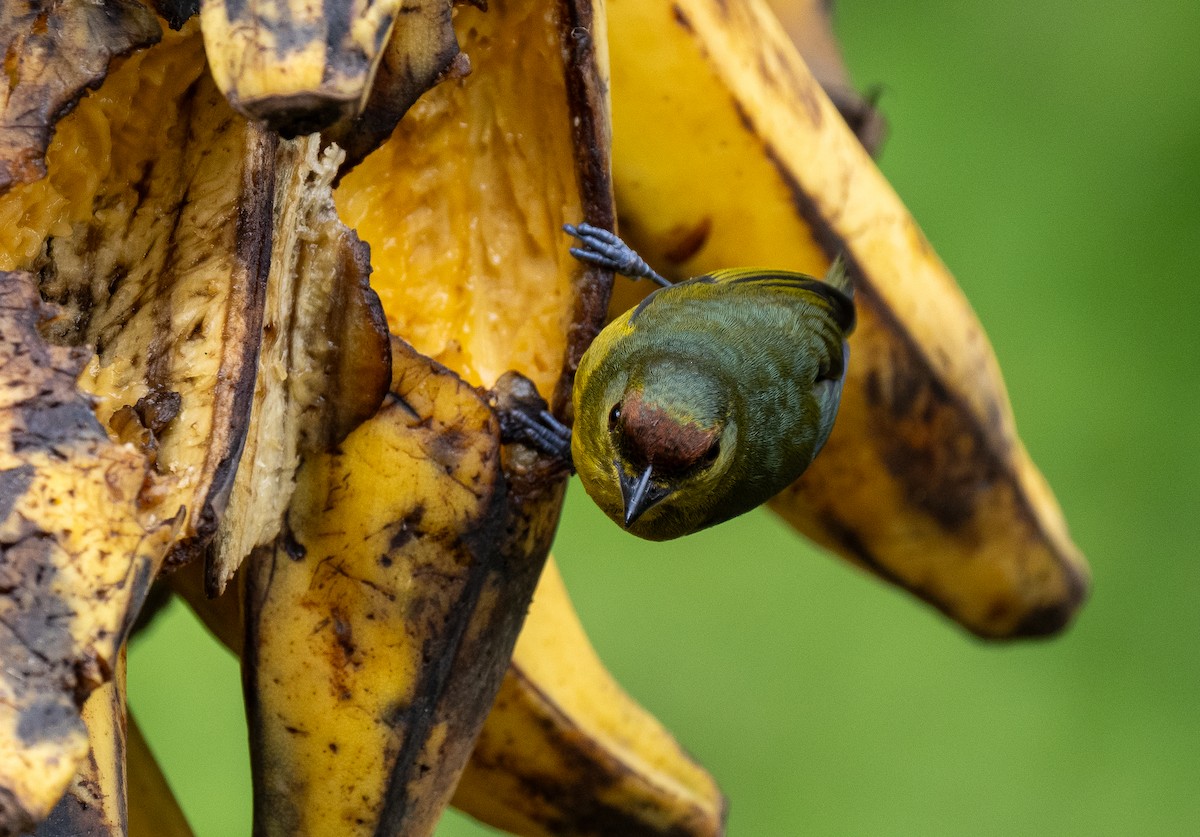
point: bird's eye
(614, 415)
(714, 450)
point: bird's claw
(604, 248)
(541, 431)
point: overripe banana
(563, 751)
(383, 558)
(809, 23)
(923, 481)
(309, 393)
(151, 234)
(442, 541)
(167, 238)
(50, 59)
(80, 543)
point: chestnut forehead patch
(660, 439)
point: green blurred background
(1051, 151)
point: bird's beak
(638, 493)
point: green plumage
(710, 396)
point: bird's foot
(525, 419)
(539, 430)
(602, 247)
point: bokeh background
(1051, 151)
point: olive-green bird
(709, 397)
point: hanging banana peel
(565, 751)
(94, 804)
(80, 543)
(182, 247)
(299, 66)
(309, 393)
(412, 550)
(356, 614)
(924, 481)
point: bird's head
(668, 441)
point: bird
(711, 395)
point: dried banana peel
(53, 52)
(923, 481)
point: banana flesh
(310, 391)
(924, 481)
(469, 259)
(566, 752)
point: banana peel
(924, 481)
(80, 543)
(565, 752)
(355, 615)
(300, 66)
(324, 364)
(53, 53)
(422, 50)
(151, 234)
(455, 574)
(469, 258)
(95, 803)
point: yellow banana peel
(355, 614)
(298, 65)
(565, 751)
(80, 543)
(924, 481)
(95, 802)
(324, 364)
